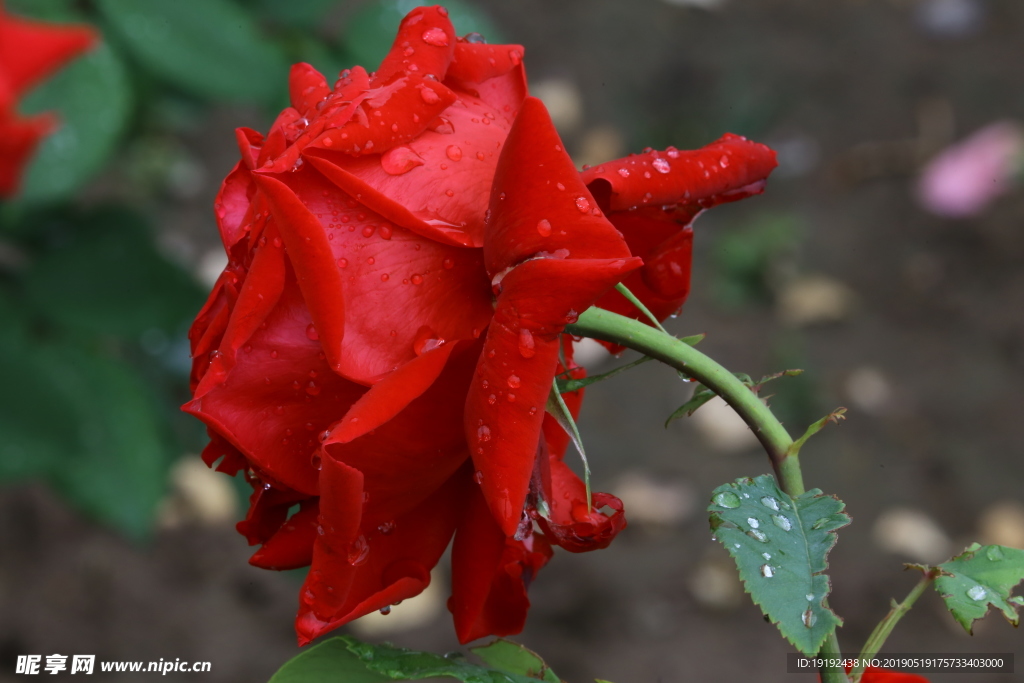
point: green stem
(885, 626)
(783, 453)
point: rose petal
(399, 288)
(571, 524)
(31, 50)
(291, 546)
(492, 73)
(423, 45)
(538, 202)
(537, 300)
(307, 88)
(726, 170)
(279, 396)
(490, 574)
(357, 570)
(18, 140)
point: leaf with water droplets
(347, 659)
(979, 577)
(780, 545)
(512, 657)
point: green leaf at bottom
(979, 577)
(780, 545)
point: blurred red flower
(875, 675)
(29, 52)
(405, 250)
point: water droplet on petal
(399, 160)
(312, 389)
(429, 96)
(766, 556)
(624, 172)
(514, 381)
(454, 152)
(385, 610)
(583, 204)
(544, 227)
(661, 166)
(724, 161)
(526, 343)
(478, 477)
(571, 317)
(436, 37)
(448, 264)
(311, 332)
(810, 597)
(727, 499)
(417, 279)
(358, 551)
(386, 528)
(483, 433)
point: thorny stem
(782, 451)
(885, 626)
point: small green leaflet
(702, 394)
(979, 577)
(780, 546)
(346, 659)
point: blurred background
(885, 260)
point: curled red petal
(291, 546)
(406, 458)
(493, 73)
(490, 574)
(572, 524)
(728, 169)
(232, 205)
(424, 46)
(315, 269)
(400, 290)
(231, 460)
(874, 674)
(278, 397)
(250, 143)
(392, 394)
(505, 405)
(539, 204)
(357, 570)
(307, 88)
(444, 195)
(268, 509)
(31, 50)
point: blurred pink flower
(962, 180)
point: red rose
(29, 52)
(875, 675)
(405, 251)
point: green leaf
(85, 423)
(212, 48)
(331, 660)
(780, 545)
(92, 100)
(307, 14)
(557, 409)
(370, 33)
(515, 658)
(109, 279)
(347, 660)
(979, 577)
(571, 384)
(702, 394)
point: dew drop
(448, 264)
(767, 571)
(724, 161)
(385, 277)
(368, 231)
(809, 618)
(661, 166)
(994, 553)
(358, 551)
(583, 204)
(311, 332)
(417, 279)
(977, 593)
(436, 37)
(429, 96)
(727, 499)
(492, 399)
(544, 227)
(782, 522)
(385, 610)
(312, 389)
(386, 528)
(399, 160)
(754, 524)
(483, 433)
(758, 535)
(810, 597)
(571, 317)
(526, 343)
(766, 556)
(478, 477)
(820, 523)
(514, 381)
(770, 502)
(277, 241)
(510, 397)
(624, 172)
(454, 152)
